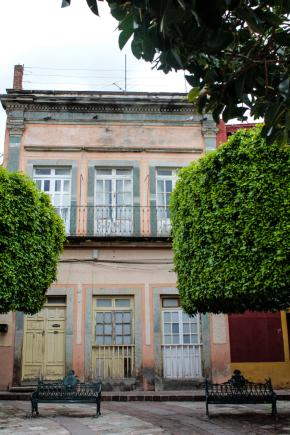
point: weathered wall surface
(89, 130)
(6, 351)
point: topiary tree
(31, 239)
(230, 225)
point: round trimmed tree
(230, 224)
(31, 239)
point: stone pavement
(138, 418)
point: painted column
(15, 127)
(78, 332)
(220, 347)
(148, 362)
(6, 350)
(209, 132)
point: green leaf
(182, 4)
(118, 12)
(124, 36)
(193, 80)
(282, 38)
(284, 88)
(93, 5)
(269, 17)
(193, 94)
(136, 47)
(220, 39)
(250, 17)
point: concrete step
(22, 389)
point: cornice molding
(112, 149)
(102, 108)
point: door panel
(44, 344)
(54, 343)
(181, 345)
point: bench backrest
(59, 390)
(238, 385)
(69, 387)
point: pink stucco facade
(146, 137)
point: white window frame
(181, 332)
(113, 219)
(162, 210)
(64, 206)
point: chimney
(18, 77)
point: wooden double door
(44, 344)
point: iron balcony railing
(114, 221)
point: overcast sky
(70, 48)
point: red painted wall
(256, 337)
(224, 131)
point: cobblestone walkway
(138, 418)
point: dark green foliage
(230, 221)
(31, 239)
(234, 52)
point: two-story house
(109, 162)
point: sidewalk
(128, 396)
(143, 418)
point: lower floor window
(181, 341)
(113, 348)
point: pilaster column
(209, 132)
(15, 126)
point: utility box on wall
(3, 327)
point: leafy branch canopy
(31, 239)
(235, 53)
(230, 214)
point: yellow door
(44, 344)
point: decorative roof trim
(103, 108)
(111, 149)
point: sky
(70, 49)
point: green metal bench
(239, 390)
(68, 390)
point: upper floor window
(165, 182)
(113, 201)
(56, 182)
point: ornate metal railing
(115, 221)
(114, 362)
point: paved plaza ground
(138, 418)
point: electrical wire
(127, 267)
(68, 83)
(95, 260)
(71, 76)
(72, 69)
